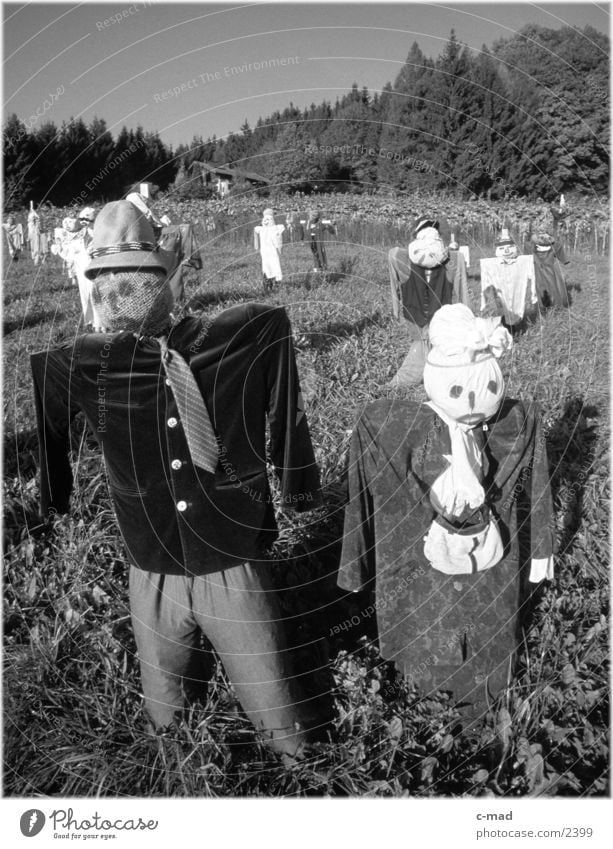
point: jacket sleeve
(560, 254)
(487, 278)
(460, 281)
(523, 477)
(191, 248)
(55, 410)
(541, 508)
(358, 557)
(291, 448)
(397, 260)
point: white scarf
(458, 487)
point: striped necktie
(194, 415)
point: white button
(172, 422)
(181, 506)
(167, 382)
(176, 464)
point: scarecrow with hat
(549, 278)
(438, 493)
(507, 281)
(180, 413)
(268, 240)
(422, 280)
(316, 229)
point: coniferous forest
(527, 117)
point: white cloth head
(458, 337)
(465, 385)
(70, 225)
(428, 249)
(508, 252)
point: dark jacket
(447, 631)
(175, 518)
(420, 298)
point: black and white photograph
(306, 400)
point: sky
(203, 69)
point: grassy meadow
(74, 724)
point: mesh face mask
(137, 301)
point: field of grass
(74, 724)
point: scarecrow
(420, 285)
(437, 495)
(549, 278)
(36, 239)
(180, 414)
(293, 227)
(176, 240)
(267, 239)
(13, 232)
(507, 281)
(316, 228)
(68, 243)
(80, 258)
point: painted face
(467, 393)
(71, 225)
(507, 251)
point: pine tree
(405, 138)
(18, 158)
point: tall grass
(74, 723)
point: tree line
(79, 163)
(528, 117)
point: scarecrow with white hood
(450, 514)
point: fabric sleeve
(399, 271)
(291, 447)
(55, 410)
(191, 248)
(358, 556)
(541, 569)
(531, 275)
(256, 239)
(560, 253)
(460, 281)
(486, 279)
(541, 508)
